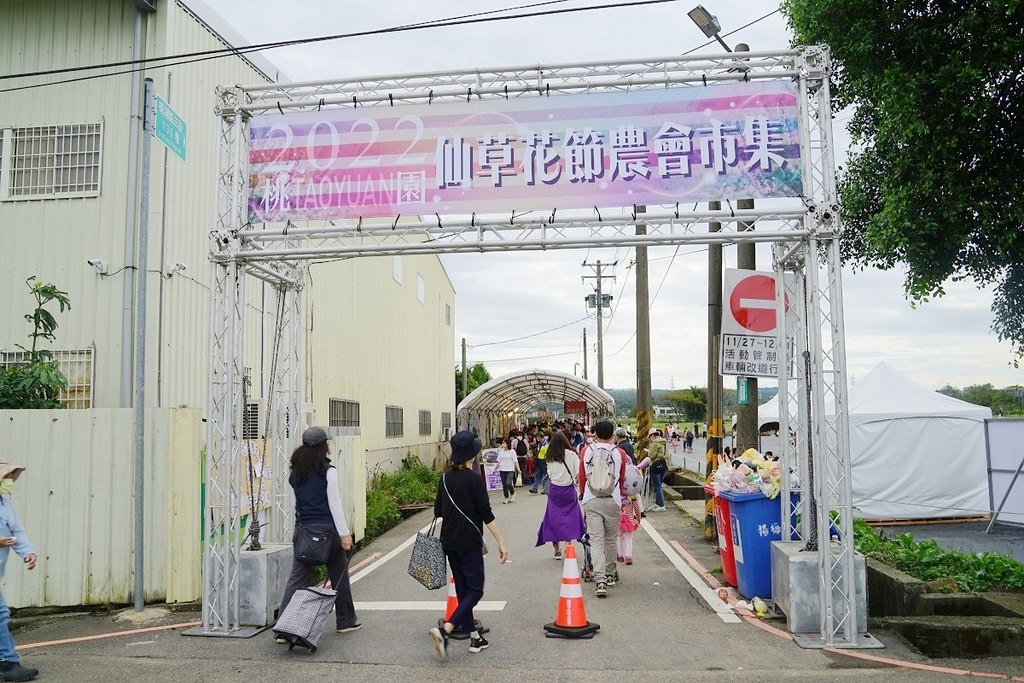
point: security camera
(99, 265)
(176, 267)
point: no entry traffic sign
(750, 346)
(752, 303)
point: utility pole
(747, 428)
(600, 302)
(715, 427)
(585, 353)
(643, 340)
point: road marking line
(365, 572)
(425, 606)
(724, 611)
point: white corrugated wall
(76, 502)
(370, 339)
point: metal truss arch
(804, 232)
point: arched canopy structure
(490, 405)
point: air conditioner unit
(254, 419)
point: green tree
(36, 382)
(979, 394)
(476, 376)
(934, 180)
(690, 404)
(676, 399)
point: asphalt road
(655, 626)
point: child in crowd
(629, 521)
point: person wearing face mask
(12, 535)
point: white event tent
(914, 453)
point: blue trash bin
(756, 522)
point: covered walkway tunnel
(492, 408)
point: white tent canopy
(914, 453)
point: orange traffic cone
(453, 600)
(571, 618)
(450, 607)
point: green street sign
(742, 391)
(169, 128)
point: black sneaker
(14, 671)
(601, 590)
(348, 629)
(477, 644)
(440, 643)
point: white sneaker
(658, 508)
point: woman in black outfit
(317, 506)
(464, 507)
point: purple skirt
(563, 518)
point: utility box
(795, 589)
(261, 580)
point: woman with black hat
(317, 505)
(464, 506)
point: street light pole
(710, 27)
(747, 428)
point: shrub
(412, 484)
(927, 561)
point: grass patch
(388, 491)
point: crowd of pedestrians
(592, 480)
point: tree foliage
(690, 403)
(934, 181)
(475, 376)
(37, 381)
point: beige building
(379, 331)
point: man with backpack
(601, 475)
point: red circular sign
(752, 303)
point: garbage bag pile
(749, 473)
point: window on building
(78, 368)
(446, 425)
(342, 413)
(424, 423)
(43, 162)
(394, 421)
(448, 315)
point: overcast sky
(506, 296)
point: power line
(653, 299)
(528, 336)
(509, 360)
(206, 55)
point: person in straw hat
(12, 535)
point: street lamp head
(706, 21)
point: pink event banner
(608, 149)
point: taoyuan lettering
(571, 151)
